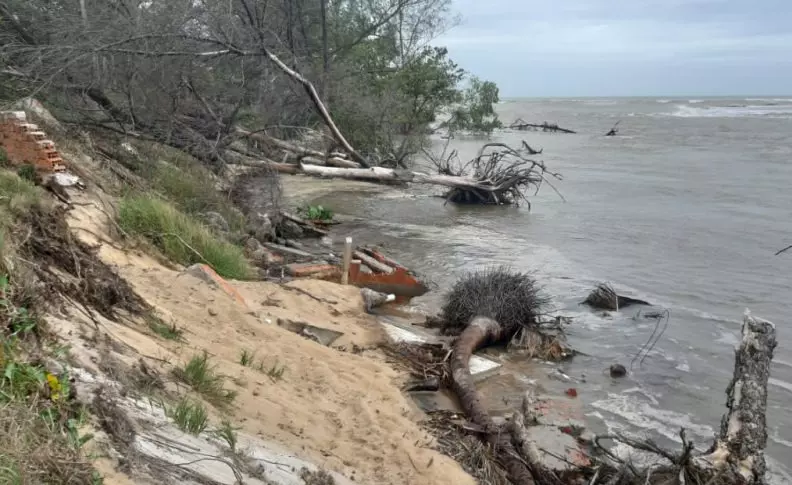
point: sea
(685, 208)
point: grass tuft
(276, 372)
(203, 378)
(228, 433)
(189, 416)
(182, 238)
(164, 330)
(246, 358)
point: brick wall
(24, 142)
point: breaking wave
(746, 111)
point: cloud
(497, 38)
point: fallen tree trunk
(478, 333)
(331, 162)
(320, 107)
(522, 125)
(381, 174)
(270, 164)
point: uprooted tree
(498, 175)
(491, 306)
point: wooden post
(347, 261)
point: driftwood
(522, 125)
(530, 150)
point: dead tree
(522, 125)
(489, 307)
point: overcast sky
(626, 47)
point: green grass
(275, 372)
(227, 433)
(204, 379)
(186, 182)
(168, 332)
(17, 194)
(246, 358)
(183, 239)
(189, 416)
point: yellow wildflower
(55, 386)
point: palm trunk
(481, 331)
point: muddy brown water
(684, 209)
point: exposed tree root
(69, 267)
(604, 297)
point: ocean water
(684, 209)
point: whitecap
(643, 415)
(749, 111)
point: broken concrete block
(317, 334)
(373, 299)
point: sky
(626, 47)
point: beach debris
(604, 297)
(429, 384)
(522, 125)
(206, 274)
(783, 250)
(373, 299)
(614, 131)
(530, 150)
(377, 272)
(617, 370)
(320, 335)
(497, 302)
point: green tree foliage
(477, 113)
(186, 73)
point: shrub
(316, 213)
(180, 237)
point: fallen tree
(522, 125)
(489, 307)
(498, 175)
